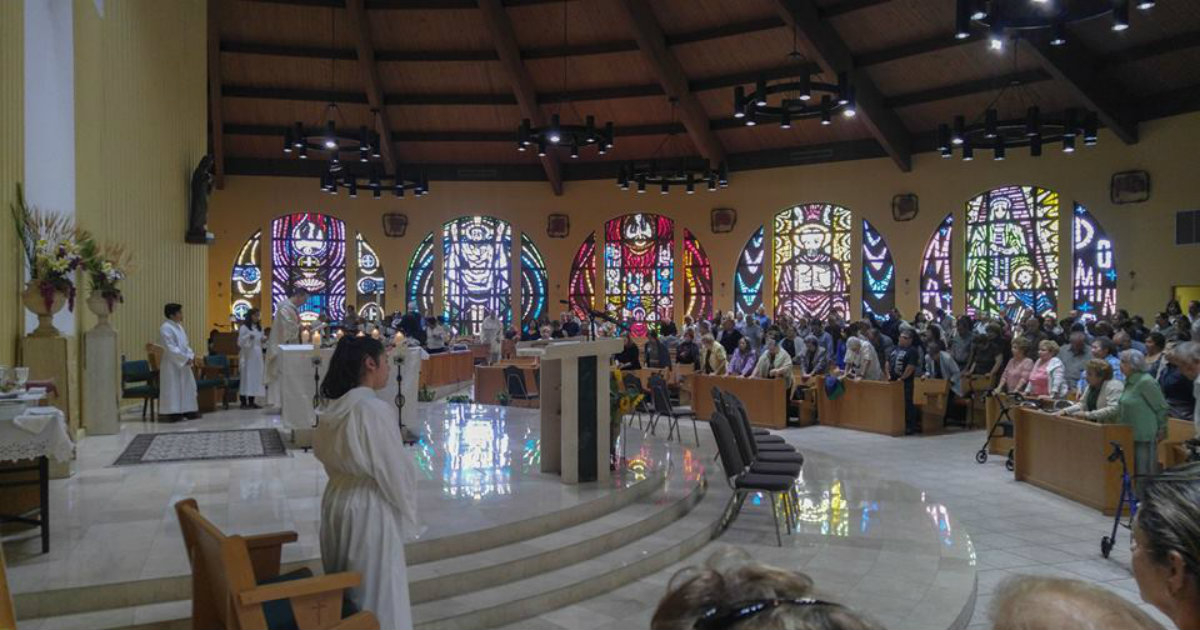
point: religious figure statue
(202, 184)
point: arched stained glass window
(476, 270)
(1095, 271)
(533, 282)
(581, 290)
(419, 287)
(936, 271)
(1012, 252)
(748, 278)
(879, 272)
(812, 261)
(370, 283)
(245, 285)
(697, 279)
(639, 267)
(309, 250)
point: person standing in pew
(1145, 409)
(775, 363)
(743, 360)
(1100, 399)
(657, 355)
(861, 360)
(627, 358)
(688, 353)
(712, 356)
(903, 367)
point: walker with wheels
(1127, 498)
(1005, 424)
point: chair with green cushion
(139, 381)
(223, 372)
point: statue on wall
(202, 185)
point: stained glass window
(639, 268)
(533, 282)
(879, 273)
(419, 287)
(812, 261)
(697, 279)
(370, 282)
(748, 279)
(476, 269)
(245, 284)
(1012, 252)
(581, 291)
(1095, 270)
(936, 270)
(309, 250)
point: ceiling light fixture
(668, 172)
(1005, 19)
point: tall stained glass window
(370, 284)
(309, 250)
(748, 278)
(245, 285)
(476, 269)
(812, 261)
(533, 282)
(697, 279)
(581, 290)
(419, 286)
(1012, 251)
(879, 272)
(1095, 271)
(639, 268)
(936, 271)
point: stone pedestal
(56, 358)
(101, 382)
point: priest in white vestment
(176, 379)
(490, 333)
(250, 360)
(370, 502)
(285, 329)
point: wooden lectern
(574, 390)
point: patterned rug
(187, 446)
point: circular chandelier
(557, 134)
(1033, 131)
(685, 172)
(364, 145)
(1002, 16)
(332, 181)
(796, 100)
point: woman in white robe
(490, 334)
(176, 380)
(250, 361)
(370, 502)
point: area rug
(188, 446)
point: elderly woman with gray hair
(861, 360)
(1166, 544)
(1143, 407)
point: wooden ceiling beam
(505, 40)
(966, 88)
(906, 50)
(215, 118)
(653, 43)
(366, 61)
(1078, 70)
(1166, 46)
(848, 6)
(834, 56)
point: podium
(574, 390)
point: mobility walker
(1127, 498)
(1005, 424)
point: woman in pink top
(1016, 373)
(1046, 379)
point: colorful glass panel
(533, 282)
(581, 290)
(879, 273)
(697, 279)
(748, 278)
(1095, 271)
(419, 287)
(639, 268)
(370, 283)
(937, 284)
(1012, 252)
(812, 261)
(476, 269)
(246, 280)
(309, 250)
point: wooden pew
(1069, 456)
(807, 402)
(1171, 451)
(762, 397)
(931, 396)
(873, 406)
(489, 382)
(974, 387)
(445, 368)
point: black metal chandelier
(377, 184)
(1003, 18)
(327, 139)
(666, 174)
(1033, 131)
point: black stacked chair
(514, 384)
(733, 409)
(633, 387)
(744, 480)
(752, 450)
(660, 396)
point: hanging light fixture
(376, 183)
(1005, 18)
(668, 173)
(559, 134)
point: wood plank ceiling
(451, 97)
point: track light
(590, 129)
(609, 135)
(805, 91)
(555, 135)
(785, 118)
(298, 137)
(1033, 122)
(996, 35)
(1035, 146)
(330, 136)
(712, 183)
(541, 148)
(968, 152)
(1068, 144)
(1120, 15)
(825, 111)
(760, 92)
(520, 145)
(962, 19)
(723, 175)
(691, 184)
(750, 122)
(990, 124)
(665, 188)
(1145, 5)
(947, 153)
(978, 10)
(352, 185)
(1071, 122)
(960, 130)
(843, 88)
(943, 139)
(739, 102)
(1091, 123)
(998, 151)
(641, 184)
(302, 152)
(574, 152)
(850, 109)
(287, 141)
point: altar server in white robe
(176, 379)
(250, 360)
(285, 329)
(370, 502)
(490, 333)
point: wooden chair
(228, 575)
(139, 381)
(8, 612)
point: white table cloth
(297, 385)
(36, 432)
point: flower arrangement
(50, 243)
(106, 266)
(621, 403)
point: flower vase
(102, 308)
(44, 304)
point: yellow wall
(141, 107)
(12, 168)
(1148, 261)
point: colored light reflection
(477, 462)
